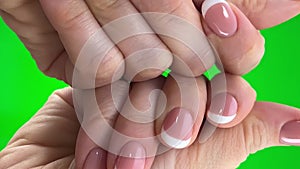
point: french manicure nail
(132, 156)
(219, 17)
(290, 133)
(177, 128)
(223, 108)
(95, 159)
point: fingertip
(177, 129)
(86, 150)
(231, 101)
(223, 109)
(242, 51)
(95, 159)
(219, 17)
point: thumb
(268, 124)
(279, 125)
(264, 13)
(268, 13)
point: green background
(24, 89)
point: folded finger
(85, 41)
(230, 100)
(238, 43)
(134, 37)
(181, 117)
(133, 143)
(97, 117)
(229, 105)
(178, 25)
(29, 22)
(88, 154)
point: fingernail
(177, 128)
(132, 156)
(219, 17)
(223, 108)
(95, 159)
(290, 133)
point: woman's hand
(56, 46)
(48, 139)
(236, 60)
(268, 124)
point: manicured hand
(48, 139)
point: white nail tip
(174, 142)
(290, 140)
(209, 3)
(219, 119)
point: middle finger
(134, 38)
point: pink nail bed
(223, 108)
(177, 128)
(95, 159)
(290, 133)
(219, 17)
(132, 156)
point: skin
(142, 99)
(28, 147)
(54, 50)
(48, 32)
(55, 62)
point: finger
(85, 41)
(191, 48)
(88, 154)
(267, 13)
(229, 105)
(97, 118)
(264, 13)
(179, 123)
(230, 100)
(268, 124)
(28, 21)
(280, 122)
(36, 138)
(134, 38)
(242, 49)
(133, 143)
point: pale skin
(247, 57)
(34, 146)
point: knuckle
(254, 134)
(70, 14)
(103, 4)
(250, 58)
(110, 69)
(172, 7)
(147, 56)
(72, 19)
(165, 6)
(253, 6)
(7, 5)
(190, 64)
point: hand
(48, 139)
(239, 112)
(174, 127)
(238, 54)
(71, 19)
(267, 125)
